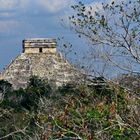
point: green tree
(5, 86)
(26, 98)
(37, 88)
(39, 85)
(113, 29)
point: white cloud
(50, 5)
(8, 25)
(96, 6)
(12, 4)
(6, 14)
(8, 4)
(55, 5)
(116, 1)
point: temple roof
(45, 40)
(39, 42)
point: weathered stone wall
(52, 67)
(36, 50)
(31, 50)
(49, 50)
(34, 45)
(1, 76)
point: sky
(20, 19)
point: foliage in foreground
(112, 30)
(82, 112)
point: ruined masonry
(39, 57)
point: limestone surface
(50, 66)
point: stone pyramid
(40, 58)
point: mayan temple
(39, 57)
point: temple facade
(39, 45)
(39, 57)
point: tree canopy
(113, 29)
